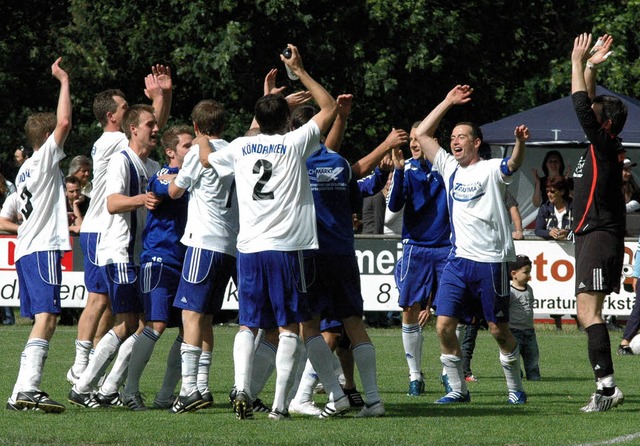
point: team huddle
(272, 211)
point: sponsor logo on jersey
(467, 192)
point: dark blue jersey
(336, 196)
(165, 225)
(421, 191)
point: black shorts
(599, 256)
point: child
(521, 315)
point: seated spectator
(77, 203)
(555, 215)
(553, 167)
(80, 167)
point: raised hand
(601, 52)
(162, 73)
(581, 46)
(57, 71)
(298, 98)
(460, 94)
(270, 83)
(397, 138)
(344, 102)
(522, 133)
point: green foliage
(397, 58)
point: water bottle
(287, 55)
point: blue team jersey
(421, 191)
(336, 196)
(165, 225)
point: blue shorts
(335, 293)
(272, 289)
(93, 278)
(122, 287)
(158, 285)
(39, 279)
(205, 276)
(470, 288)
(418, 274)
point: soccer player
(161, 259)
(419, 189)
(109, 107)
(42, 237)
(127, 202)
(277, 223)
(476, 273)
(210, 258)
(599, 212)
(335, 291)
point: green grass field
(551, 417)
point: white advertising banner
(552, 276)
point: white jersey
(42, 202)
(11, 208)
(480, 228)
(104, 147)
(121, 239)
(212, 221)
(274, 192)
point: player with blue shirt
(419, 189)
(161, 262)
(476, 273)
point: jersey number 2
(267, 169)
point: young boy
(521, 315)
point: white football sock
(31, 365)
(98, 362)
(286, 366)
(243, 352)
(190, 359)
(321, 358)
(83, 349)
(264, 363)
(308, 382)
(452, 365)
(412, 341)
(511, 367)
(204, 365)
(118, 372)
(364, 356)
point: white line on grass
(617, 440)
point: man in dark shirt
(599, 223)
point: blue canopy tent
(553, 126)
(555, 123)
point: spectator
(77, 203)
(553, 166)
(555, 216)
(633, 323)
(521, 316)
(80, 167)
(630, 188)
